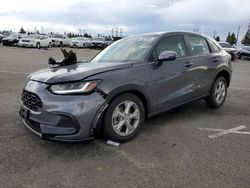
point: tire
(38, 45)
(61, 44)
(117, 117)
(218, 93)
(239, 56)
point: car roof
(171, 32)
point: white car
(80, 42)
(59, 40)
(36, 41)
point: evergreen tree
(231, 39)
(22, 30)
(217, 38)
(246, 38)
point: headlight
(74, 88)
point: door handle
(215, 59)
(188, 64)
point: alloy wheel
(125, 118)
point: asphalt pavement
(191, 146)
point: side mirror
(167, 56)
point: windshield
(33, 36)
(13, 35)
(225, 45)
(128, 49)
(98, 38)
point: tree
(231, 39)
(246, 38)
(22, 30)
(217, 38)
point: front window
(128, 49)
(33, 36)
(171, 43)
(225, 45)
(98, 38)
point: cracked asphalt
(169, 151)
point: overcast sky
(134, 17)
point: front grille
(31, 100)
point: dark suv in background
(136, 77)
(229, 49)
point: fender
(223, 67)
(111, 95)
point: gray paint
(164, 87)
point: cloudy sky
(133, 16)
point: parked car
(135, 77)
(229, 49)
(80, 42)
(35, 41)
(98, 42)
(12, 39)
(60, 40)
(243, 51)
(1, 37)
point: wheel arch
(225, 74)
(139, 91)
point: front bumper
(9, 42)
(76, 45)
(61, 118)
(23, 44)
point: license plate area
(24, 113)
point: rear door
(201, 70)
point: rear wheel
(218, 93)
(124, 117)
(61, 44)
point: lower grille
(31, 100)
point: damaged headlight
(74, 88)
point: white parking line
(15, 72)
(240, 88)
(222, 132)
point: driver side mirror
(166, 56)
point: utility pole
(237, 35)
(214, 34)
(121, 32)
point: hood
(75, 72)
(78, 41)
(230, 49)
(9, 38)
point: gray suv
(132, 79)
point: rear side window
(214, 47)
(198, 45)
(171, 43)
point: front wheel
(218, 93)
(124, 117)
(38, 45)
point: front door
(170, 85)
